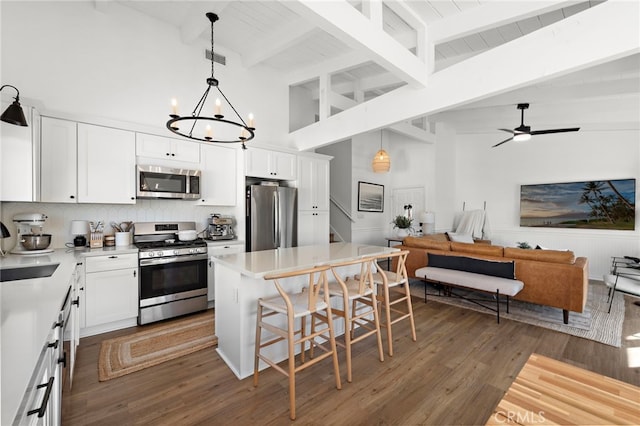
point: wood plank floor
(552, 392)
(455, 374)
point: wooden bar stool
(312, 301)
(359, 306)
(396, 282)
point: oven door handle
(173, 259)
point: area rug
(157, 344)
(594, 323)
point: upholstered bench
(481, 275)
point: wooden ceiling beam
(489, 15)
(581, 41)
(277, 42)
(348, 25)
(330, 66)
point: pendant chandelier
(214, 128)
(381, 161)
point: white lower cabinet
(111, 289)
(42, 401)
(313, 228)
(77, 315)
(232, 247)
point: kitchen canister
(109, 240)
(123, 238)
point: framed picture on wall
(595, 204)
(370, 197)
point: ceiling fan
(523, 133)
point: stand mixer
(24, 223)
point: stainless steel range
(173, 273)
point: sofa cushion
(502, 269)
(552, 256)
(426, 243)
(484, 249)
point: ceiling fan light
(522, 137)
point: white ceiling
(278, 35)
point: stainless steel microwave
(167, 182)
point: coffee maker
(221, 227)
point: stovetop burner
(145, 245)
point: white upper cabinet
(162, 148)
(106, 165)
(58, 170)
(313, 183)
(218, 182)
(270, 164)
(19, 158)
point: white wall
(71, 58)
(494, 175)
(412, 165)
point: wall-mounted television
(596, 204)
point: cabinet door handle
(53, 345)
(135, 273)
(77, 301)
(72, 196)
(113, 257)
(63, 360)
(47, 393)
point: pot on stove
(187, 235)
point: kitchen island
(239, 283)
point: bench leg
(498, 306)
(565, 316)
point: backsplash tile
(60, 215)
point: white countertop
(28, 310)
(257, 264)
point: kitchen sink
(27, 272)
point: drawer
(111, 262)
(226, 249)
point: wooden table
(549, 392)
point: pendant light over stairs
(381, 161)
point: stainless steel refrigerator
(272, 217)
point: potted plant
(403, 224)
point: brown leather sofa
(552, 278)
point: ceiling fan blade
(543, 132)
(508, 131)
(504, 141)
